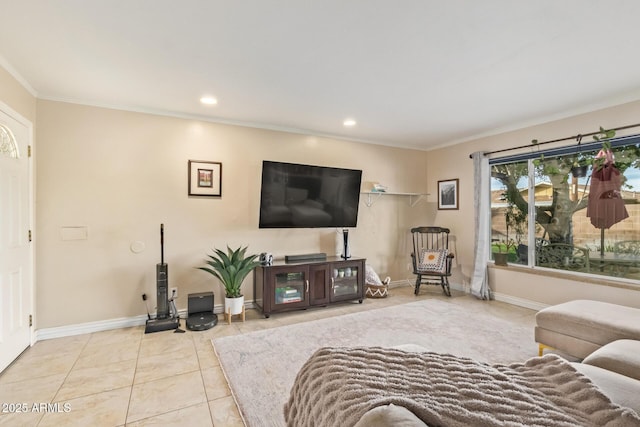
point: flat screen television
(305, 196)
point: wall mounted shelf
(373, 196)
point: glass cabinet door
(290, 288)
(344, 280)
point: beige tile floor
(125, 377)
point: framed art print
(448, 194)
(205, 178)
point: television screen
(305, 196)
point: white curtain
(482, 206)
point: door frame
(6, 109)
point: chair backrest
(430, 238)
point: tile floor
(125, 377)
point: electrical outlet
(173, 292)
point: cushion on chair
(433, 261)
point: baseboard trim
(410, 283)
(521, 302)
(89, 327)
(107, 325)
(398, 284)
(128, 322)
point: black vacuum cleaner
(167, 315)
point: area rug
(261, 366)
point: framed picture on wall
(205, 178)
(448, 194)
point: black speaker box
(200, 303)
(200, 312)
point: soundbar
(305, 257)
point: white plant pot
(233, 305)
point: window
(549, 209)
(8, 144)
(509, 208)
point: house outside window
(541, 215)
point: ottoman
(578, 328)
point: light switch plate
(74, 233)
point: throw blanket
(336, 386)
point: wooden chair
(431, 257)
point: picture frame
(205, 178)
(448, 194)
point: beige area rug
(261, 366)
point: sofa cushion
(593, 321)
(622, 390)
(389, 415)
(622, 356)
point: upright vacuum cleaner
(164, 320)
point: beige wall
(454, 162)
(16, 96)
(523, 287)
(120, 174)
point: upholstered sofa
(580, 327)
(604, 336)
(410, 387)
(615, 370)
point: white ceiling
(412, 73)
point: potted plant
(579, 165)
(501, 257)
(579, 168)
(231, 269)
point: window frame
(536, 153)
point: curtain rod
(579, 136)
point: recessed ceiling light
(208, 100)
(349, 123)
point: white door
(15, 247)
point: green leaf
(231, 268)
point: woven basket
(377, 291)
